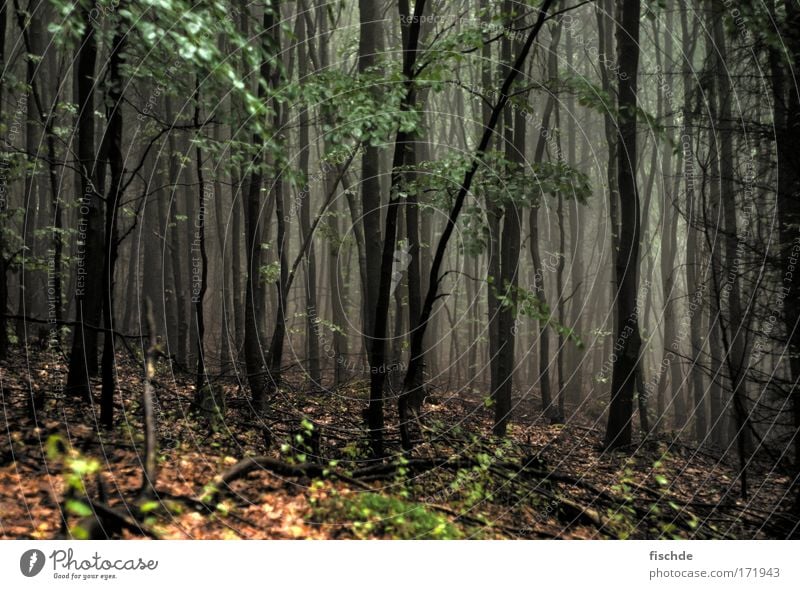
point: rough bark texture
(626, 358)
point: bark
(403, 148)
(312, 338)
(83, 354)
(277, 194)
(181, 329)
(29, 279)
(694, 253)
(514, 135)
(370, 46)
(548, 408)
(460, 197)
(116, 160)
(199, 249)
(737, 319)
(4, 262)
(257, 376)
(786, 114)
(626, 358)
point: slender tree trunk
(199, 253)
(30, 28)
(370, 46)
(618, 432)
(89, 253)
(176, 245)
(275, 355)
(114, 131)
(402, 152)
(514, 134)
(257, 376)
(548, 408)
(786, 114)
(4, 196)
(734, 341)
(312, 317)
(460, 197)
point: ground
(308, 474)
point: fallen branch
(252, 463)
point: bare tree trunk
(312, 329)
(514, 135)
(199, 249)
(550, 410)
(257, 376)
(178, 348)
(460, 197)
(402, 151)
(83, 355)
(786, 114)
(620, 413)
(4, 262)
(733, 335)
(116, 160)
(370, 46)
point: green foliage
(528, 304)
(209, 403)
(592, 96)
(373, 515)
(498, 181)
(271, 272)
(622, 518)
(367, 109)
(301, 446)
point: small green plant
(77, 468)
(622, 519)
(371, 515)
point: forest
(399, 269)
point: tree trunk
(257, 376)
(312, 314)
(89, 254)
(370, 46)
(460, 197)
(625, 360)
(403, 148)
(734, 341)
(786, 114)
(198, 250)
(116, 160)
(176, 245)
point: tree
(628, 341)
(83, 354)
(415, 352)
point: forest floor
(309, 476)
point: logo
(402, 258)
(31, 562)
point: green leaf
(78, 508)
(149, 506)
